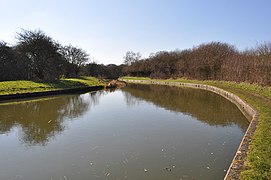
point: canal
(146, 132)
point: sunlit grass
(22, 86)
(136, 78)
(83, 81)
(13, 87)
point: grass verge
(258, 161)
(22, 86)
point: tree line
(36, 56)
(210, 61)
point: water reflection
(120, 135)
(40, 120)
(203, 105)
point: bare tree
(131, 57)
(77, 57)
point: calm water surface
(139, 132)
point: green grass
(82, 81)
(258, 161)
(21, 86)
(136, 78)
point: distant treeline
(38, 57)
(211, 61)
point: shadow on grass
(64, 84)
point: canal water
(140, 132)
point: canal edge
(49, 93)
(237, 164)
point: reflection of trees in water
(205, 106)
(42, 120)
(130, 99)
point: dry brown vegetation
(212, 61)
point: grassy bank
(258, 161)
(21, 86)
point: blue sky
(107, 29)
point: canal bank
(50, 93)
(21, 89)
(238, 163)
